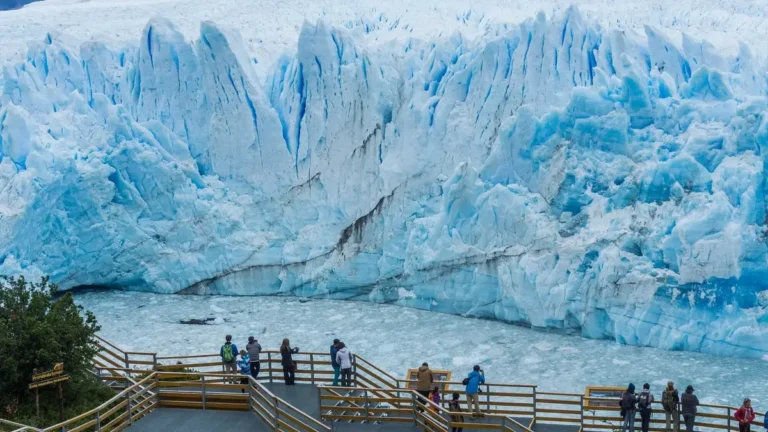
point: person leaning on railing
(424, 380)
(334, 363)
(245, 367)
(228, 353)
(628, 409)
(473, 381)
(669, 400)
(344, 359)
(289, 366)
(689, 402)
(254, 349)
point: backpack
(644, 402)
(668, 400)
(227, 355)
(465, 381)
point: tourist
(289, 366)
(434, 396)
(745, 415)
(644, 405)
(765, 421)
(669, 400)
(689, 402)
(627, 404)
(344, 359)
(228, 353)
(424, 381)
(473, 381)
(245, 367)
(455, 407)
(334, 363)
(254, 349)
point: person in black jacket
(689, 402)
(289, 366)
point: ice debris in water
(553, 173)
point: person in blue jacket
(336, 366)
(473, 381)
(765, 421)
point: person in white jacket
(344, 359)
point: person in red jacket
(745, 415)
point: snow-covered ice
(395, 339)
(568, 172)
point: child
(245, 367)
(434, 396)
(455, 407)
(745, 415)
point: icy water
(396, 338)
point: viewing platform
(190, 393)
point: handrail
(378, 369)
(518, 424)
(531, 386)
(20, 427)
(90, 412)
(377, 385)
(109, 343)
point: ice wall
(553, 174)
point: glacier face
(553, 173)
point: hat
(670, 384)
(251, 339)
(689, 389)
(242, 352)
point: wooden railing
(16, 427)
(516, 405)
(198, 381)
(406, 407)
(115, 414)
(606, 415)
(206, 390)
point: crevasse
(553, 174)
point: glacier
(554, 173)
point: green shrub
(38, 330)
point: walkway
(192, 420)
(304, 397)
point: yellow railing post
(202, 383)
(277, 414)
(269, 365)
(128, 405)
(534, 405)
(354, 370)
(311, 368)
(488, 398)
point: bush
(37, 331)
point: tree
(38, 330)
